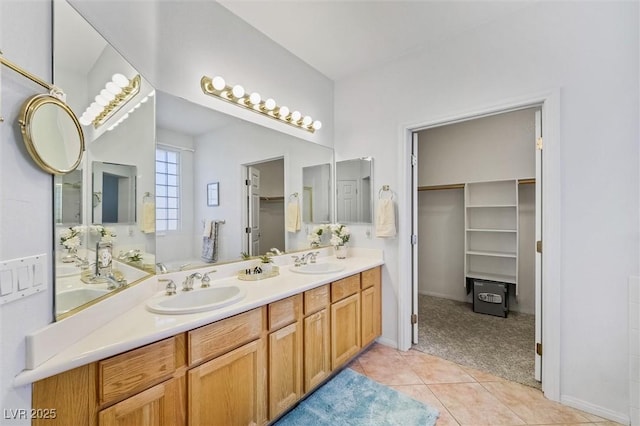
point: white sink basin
(318, 268)
(66, 270)
(199, 300)
(69, 299)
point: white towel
(385, 219)
(293, 216)
(208, 228)
(148, 217)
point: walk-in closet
(476, 203)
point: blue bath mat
(353, 399)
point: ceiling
(341, 38)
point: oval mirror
(52, 134)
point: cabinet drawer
(316, 299)
(284, 312)
(135, 370)
(224, 335)
(345, 287)
(370, 277)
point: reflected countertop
(122, 322)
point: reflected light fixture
(115, 95)
(218, 87)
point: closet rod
(440, 187)
(526, 181)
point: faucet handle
(170, 288)
(312, 256)
(296, 260)
(206, 279)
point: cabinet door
(285, 368)
(371, 316)
(162, 404)
(317, 361)
(345, 330)
(229, 390)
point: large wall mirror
(102, 200)
(212, 147)
(354, 190)
(155, 170)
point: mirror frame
(27, 114)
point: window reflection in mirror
(354, 190)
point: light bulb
(145, 99)
(101, 101)
(113, 88)
(295, 116)
(95, 109)
(85, 121)
(317, 125)
(254, 98)
(283, 112)
(107, 95)
(153, 92)
(120, 80)
(124, 117)
(269, 104)
(218, 83)
(238, 91)
(306, 120)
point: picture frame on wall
(213, 194)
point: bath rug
(355, 400)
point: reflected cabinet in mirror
(143, 189)
(354, 190)
(102, 200)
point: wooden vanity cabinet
(227, 377)
(245, 369)
(285, 354)
(317, 356)
(346, 340)
(370, 300)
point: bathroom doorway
(449, 239)
(265, 212)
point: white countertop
(136, 326)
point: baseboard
(622, 418)
(387, 342)
(442, 296)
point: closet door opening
(476, 191)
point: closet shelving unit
(491, 231)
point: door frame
(549, 102)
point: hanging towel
(385, 219)
(210, 243)
(293, 216)
(148, 217)
(208, 228)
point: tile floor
(465, 396)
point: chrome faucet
(275, 251)
(170, 288)
(113, 282)
(187, 285)
(162, 267)
(206, 279)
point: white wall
(26, 221)
(549, 45)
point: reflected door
(347, 201)
(253, 184)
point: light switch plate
(22, 277)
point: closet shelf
(490, 230)
(491, 253)
(491, 206)
(511, 279)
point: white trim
(596, 410)
(551, 256)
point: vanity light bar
(217, 87)
(114, 96)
